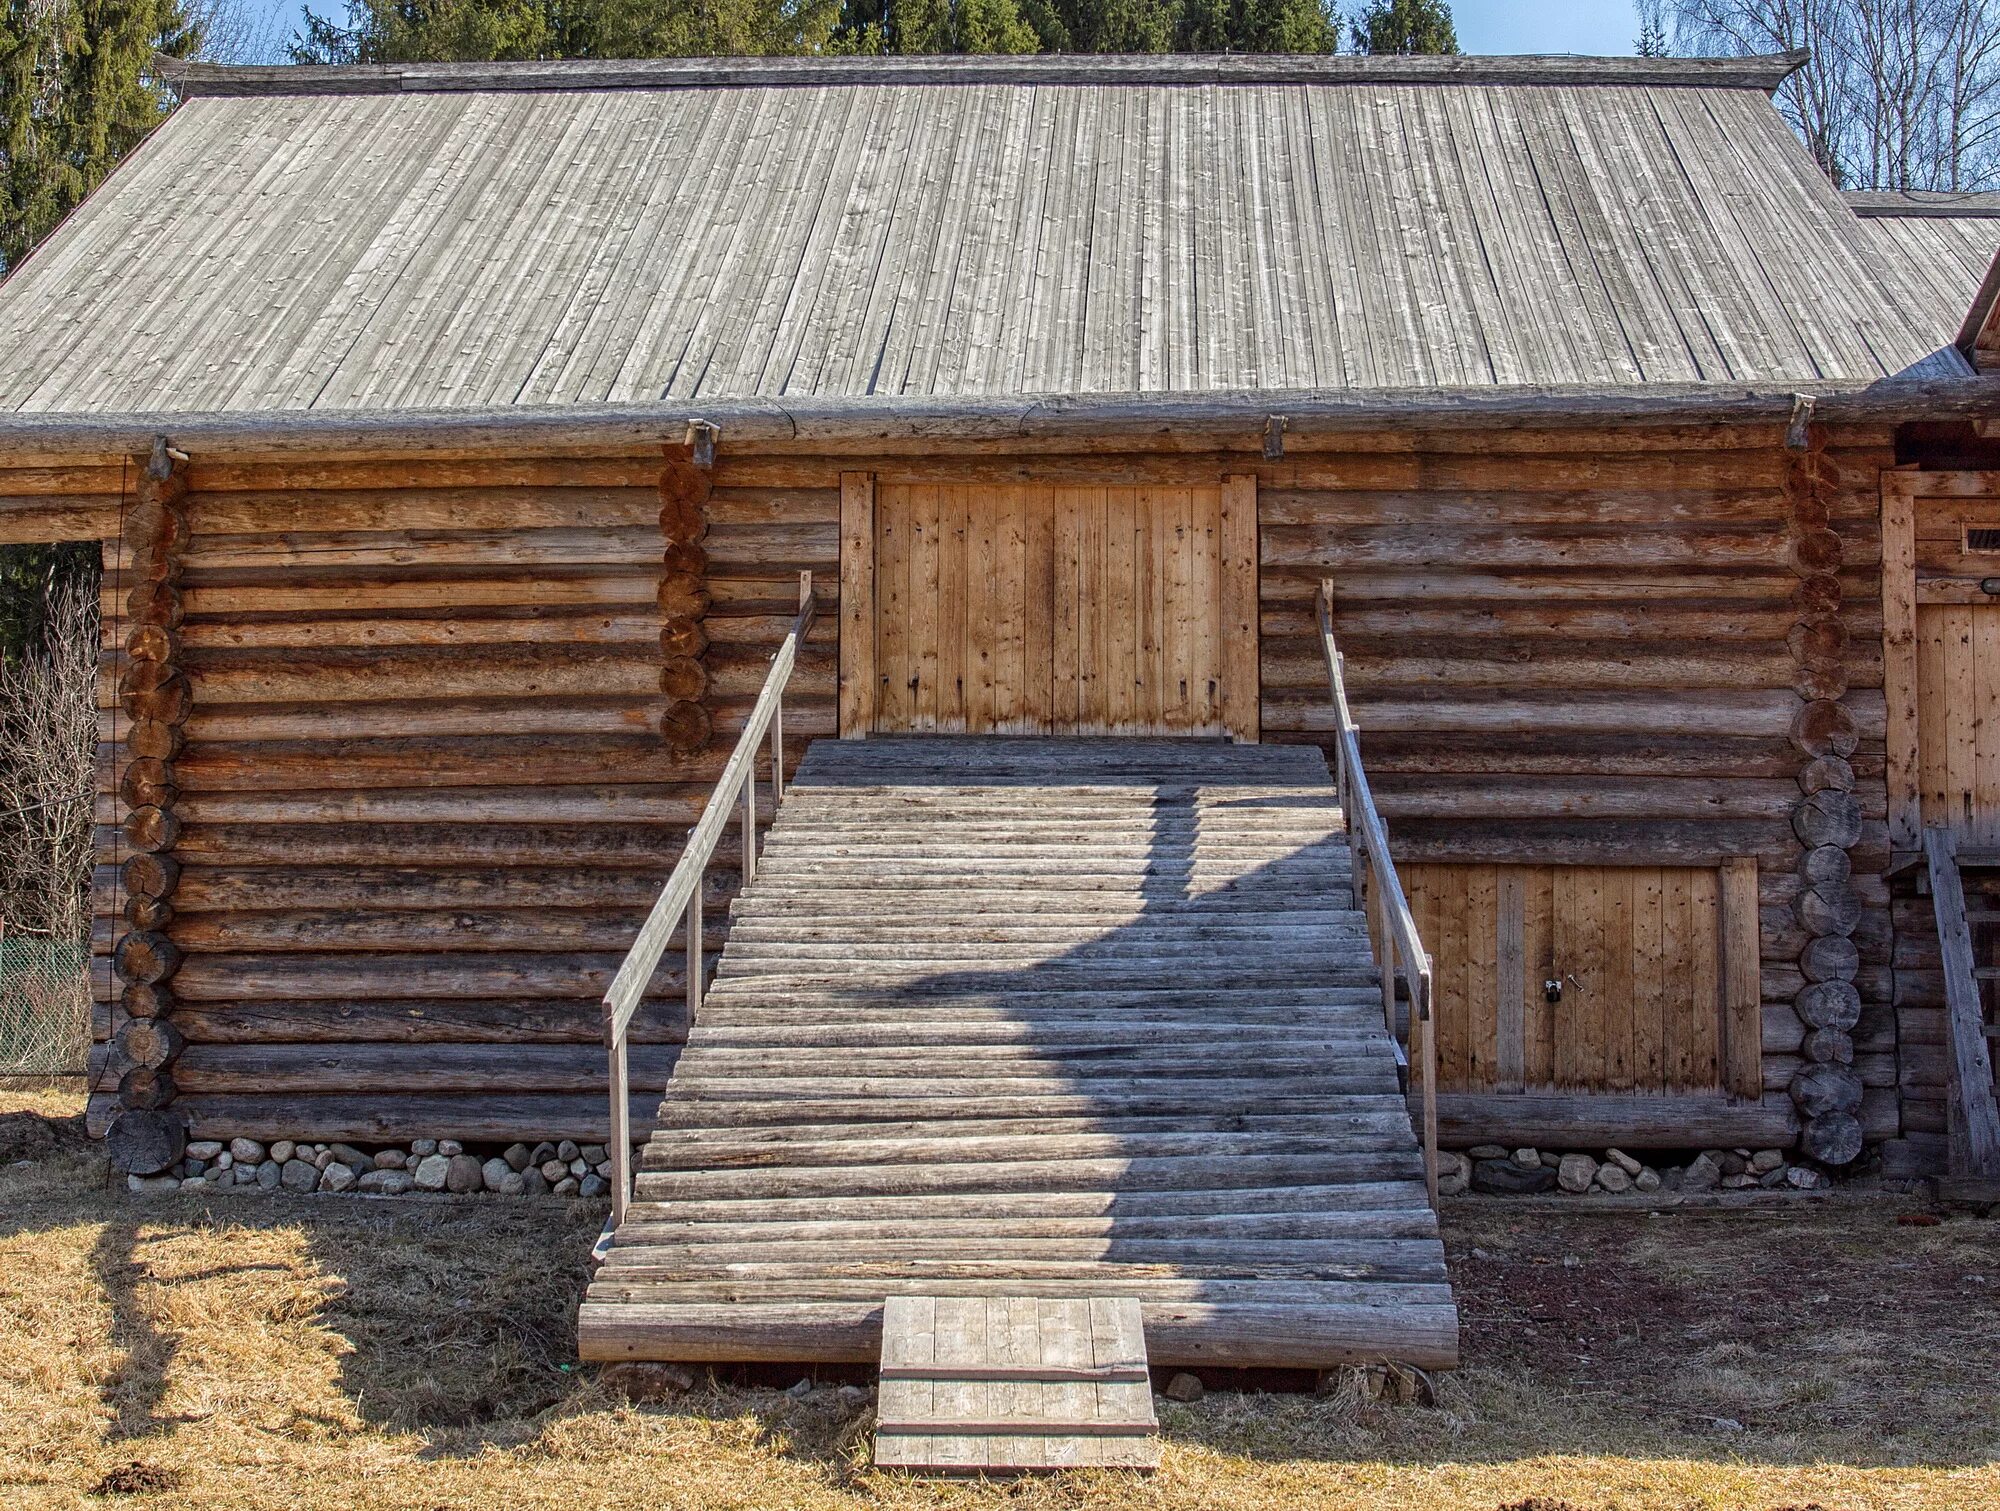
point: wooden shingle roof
(533, 235)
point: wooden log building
(455, 437)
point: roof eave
(1225, 421)
(1763, 73)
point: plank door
(1657, 964)
(1941, 654)
(1049, 610)
(1958, 669)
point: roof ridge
(1762, 73)
(1970, 204)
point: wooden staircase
(1065, 1018)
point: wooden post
(694, 954)
(621, 1120)
(1420, 1012)
(1899, 660)
(750, 825)
(778, 754)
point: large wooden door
(1941, 613)
(1655, 971)
(1043, 609)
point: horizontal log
(424, 1020)
(394, 1117)
(1598, 1120)
(576, 977)
(374, 928)
(265, 1069)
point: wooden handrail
(1972, 1124)
(1399, 951)
(681, 900)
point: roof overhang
(1979, 337)
(1186, 422)
(1763, 73)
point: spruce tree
(74, 99)
(1404, 26)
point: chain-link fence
(44, 1003)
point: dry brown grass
(272, 1351)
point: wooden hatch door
(1941, 624)
(1047, 609)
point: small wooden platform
(1002, 1384)
(1038, 1018)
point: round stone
(336, 1176)
(247, 1150)
(432, 1171)
(298, 1175)
(494, 1171)
(283, 1150)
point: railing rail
(1399, 951)
(680, 901)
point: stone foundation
(551, 1168)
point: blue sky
(1587, 26)
(1484, 26)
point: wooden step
(1010, 1383)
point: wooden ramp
(1038, 1018)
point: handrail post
(750, 826)
(777, 755)
(693, 955)
(1420, 1011)
(621, 1118)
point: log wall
(432, 780)
(426, 796)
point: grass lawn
(278, 1351)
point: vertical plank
(909, 1337)
(1187, 632)
(935, 619)
(1448, 979)
(892, 608)
(857, 604)
(1093, 612)
(1742, 988)
(1959, 697)
(1617, 1013)
(1204, 589)
(961, 1339)
(1932, 715)
(1983, 713)
(1150, 511)
(1242, 691)
(1705, 979)
(1681, 1006)
(1539, 944)
(1065, 635)
(1118, 1342)
(1038, 590)
(1649, 981)
(1899, 658)
(1014, 1340)
(1481, 987)
(1067, 1344)
(1510, 974)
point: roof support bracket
(1274, 437)
(701, 437)
(1796, 438)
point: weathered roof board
(1935, 247)
(408, 250)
